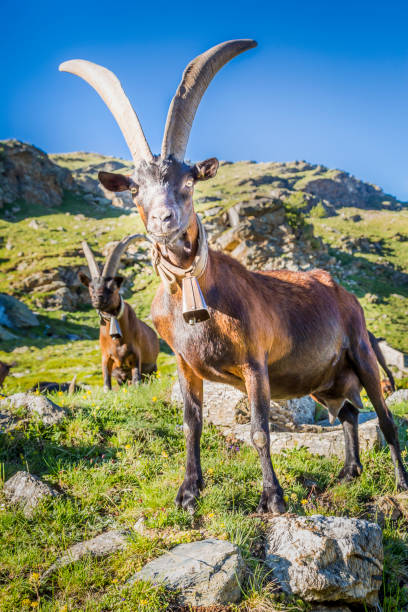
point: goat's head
(104, 286)
(161, 186)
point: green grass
(120, 456)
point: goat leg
(192, 390)
(257, 386)
(365, 363)
(107, 374)
(348, 417)
(136, 376)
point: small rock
(34, 224)
(207, 573)
(49, 412)
(100, 546)
(326, 559)
(27, 490)
(398, 396)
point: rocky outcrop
(102, 545)
(58, 289)
(205, 573)
(14, 314)
(326, 559)
(36, 406)
(86, 177)
(27, 491)
(262, 234)
(27, 173)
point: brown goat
(5, 371)
(278, 334)
(129, 347)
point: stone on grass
(206, 573)
(27, 491)
(37, 405)
(326, 559)
(397, 397)
(224, 406)
(102, 545)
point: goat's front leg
(192, 390)
(107, 373)
(136, 372)
(257, 386)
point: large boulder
(26, 172)
(206, 573)
(14, 314)
(326, 559)
(225, 406)
(27, 491)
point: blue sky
(328, 82)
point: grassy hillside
(119, 457)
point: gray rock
(15, 314)
(326, 559)
(37, 405)
(394, 357)
(28, 173)
(102, 545)
(225, 406)
(397, 397)
(206, 573)
(27, 491)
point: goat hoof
(349, 472)
(271, 501)
(188, 495)
(402, 480)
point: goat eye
(189, 183)
(134, 190)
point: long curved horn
(109, 88)
(112, 262)
(91, 261)
(196, 78)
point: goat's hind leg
(257, 386)
(348, 417)
(367, 369)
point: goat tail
(381, 359)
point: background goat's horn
(196, 78)
(91, 261)
(112, 262)
(109, 88)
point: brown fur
(137, 350)
(5, 371)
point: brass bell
(194, 307)
(114, 328)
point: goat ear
(114, 182)
(83, 278)
(206, 169)
(119, 280)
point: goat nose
(163, 215)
